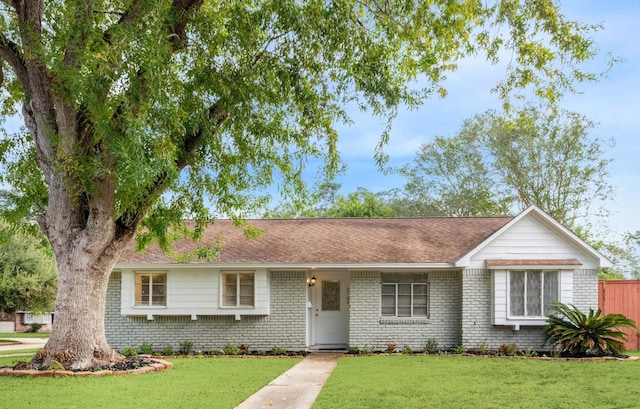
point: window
(238, 289)
(404, 295)
(531, 292)
(151, 289)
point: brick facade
(459, 313)
(285, 327)
(368, 328)
(477, 328)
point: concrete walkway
(297, 388)
(24, 343)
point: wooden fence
(622, 297)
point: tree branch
(10, 52)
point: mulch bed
(132, 366)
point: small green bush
(217, 351)
(146, 348)
(367, 350)
(186, 347)
(35, 327)
(354, 350)
(231, 349)
(459, 349)
(508, 349)
(278, 351)
(406, 350)
(129, 351)
(167, 350)
(431, 345)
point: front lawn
(4, 335)
(191, 383)
(397, 381)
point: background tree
(28, 274)
(500, 163)
(451, 177)
(139, 113)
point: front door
(330, 312)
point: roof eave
(287, 266)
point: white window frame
(525, 297)
(238, 288)
(424, 284)
(149, 303)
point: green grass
(24, 335)
(632, 353)
(191, 383)
(477, 382)
(26, 352)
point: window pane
(230, 290)
(388, 300)
(158, 290)
(534, 293)
(419, 300)
(331, 296)
(246, 289)
(404, 300)
(550, 290)
(516, 293)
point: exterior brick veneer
(477, 328)
(368, 328)
(285, 327)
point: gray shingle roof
(338, 241)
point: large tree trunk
(78, 339)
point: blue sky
(614, 103)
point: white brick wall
(285, 327)
(476, 311)
(367, 327)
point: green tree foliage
(578, 334)
(361, 203)
(140, 113)
(504, 162)
(28, 274)
(451, 176)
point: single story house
(310, 284)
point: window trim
(412, 306)
(237, 306)
(524, 297)
(150, 304)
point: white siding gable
(529, 238)
(192, 292)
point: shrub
(146, 348)
(231, 349)
(431, 345)
(167, 350)
(129, 351)
(35, 327)
(391, 347)
(354, 350)
(217, 351)
(185, 347)
(459, 349)
(278, 351)
(406, 350)
(244, 349)
(508, 349)
(574, 333)
(483, 349)
(367, 350)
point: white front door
(330, 312)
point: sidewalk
(24, 343)
(297, 388)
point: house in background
(310, 284)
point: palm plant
(577, 334)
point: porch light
(312, 281)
